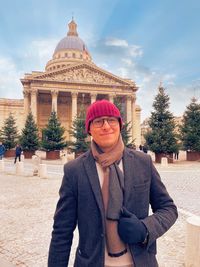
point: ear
(89, 133)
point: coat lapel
(128, 165)
(91, 171)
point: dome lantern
(72, 28)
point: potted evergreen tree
(80, 142)
(190, 131)
(161, 139)
(29, 139)
(9, 135)
(52, 137)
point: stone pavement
(5, 263)
(27, 205)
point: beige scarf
(112, 192)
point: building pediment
(83, 73)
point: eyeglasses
(98, 123)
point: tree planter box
(9, 153)
(193, 156)
(28, 154)
(159, 156)
(53, 154)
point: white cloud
(123, 72)
(6, 63)
(124, 64)
(131, 50)
(114, 48)
(34, 57)
(10, 85)
(135, 51)
(127, 61)
(40, 52)
(169, 79)
(116, 42)
(103, 65)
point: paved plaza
(27, 205)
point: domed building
(71, 80)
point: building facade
(71, 80)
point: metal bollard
(43, 170)
(19, 168)
(192, 252)
(2, 165)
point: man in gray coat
(107, 192)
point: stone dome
(69, 50)
(71, 43)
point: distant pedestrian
(176, 155)
(2, 150)
(18, 152)
(145, 150)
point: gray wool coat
(81, 204)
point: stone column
(54, 95)
(134, 118)
(93, 97)
(111, 97)
(34, 104)
(26, 104)
(74, 105)
(137, 126)
(129, 109)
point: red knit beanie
(101, 108)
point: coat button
(102, 235)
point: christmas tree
(161, 138)
(80, 143)
(52, 135)
(29, 139)
(9, 133)
(190, 129)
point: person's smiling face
(105, 133)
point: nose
(105, 124)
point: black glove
(131, 230)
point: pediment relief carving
(83, 75)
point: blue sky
(146, 41)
